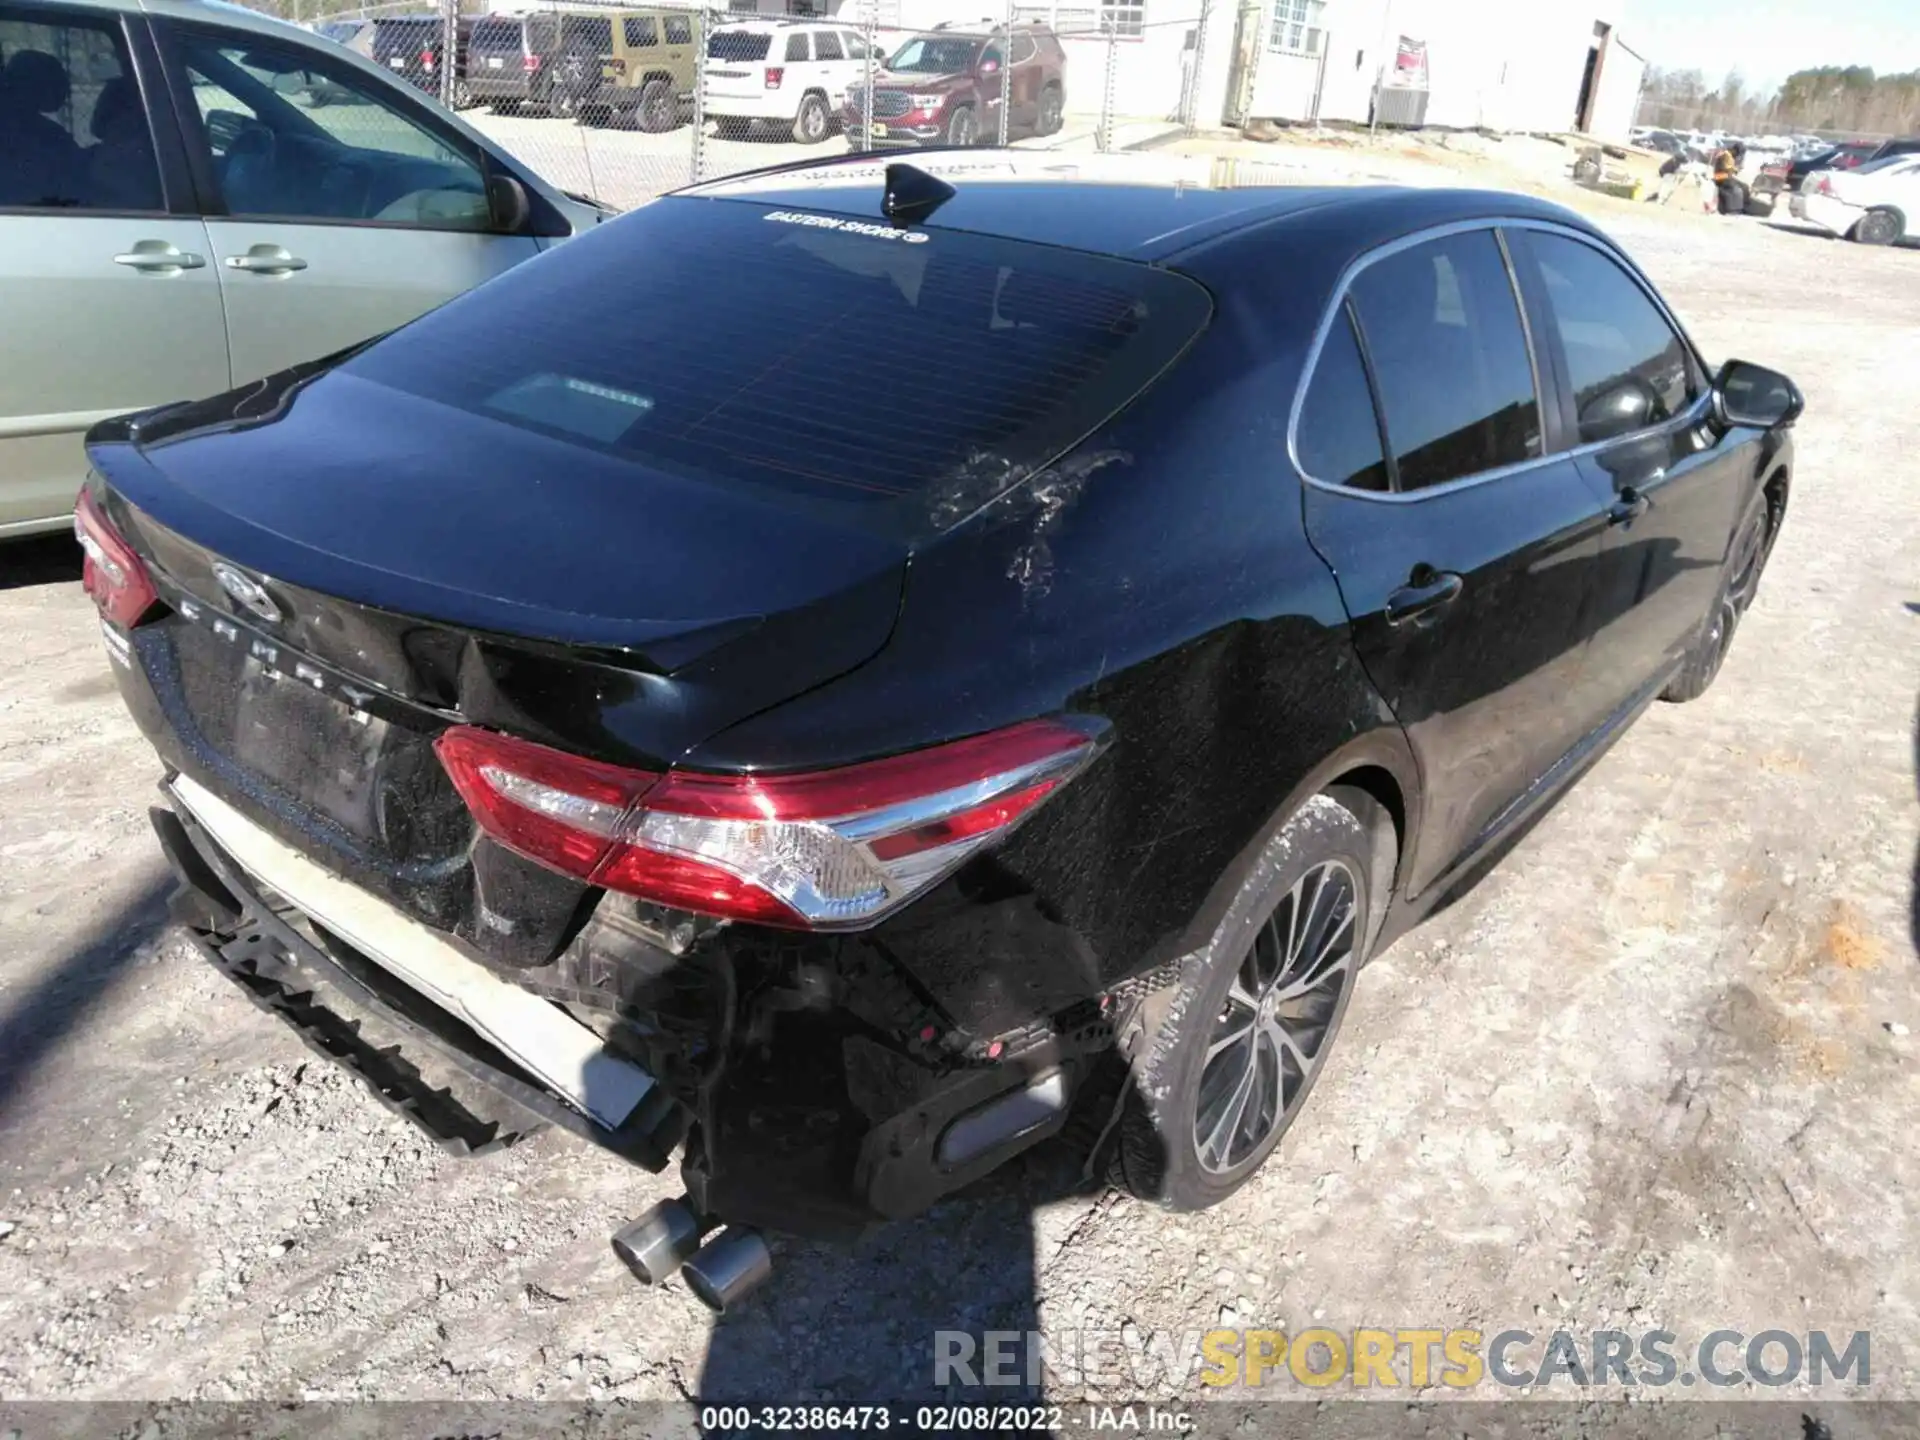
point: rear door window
(1450, 359)
(863, 365)
(1338, 439)
(640, 31)
(826, 46)
(78, 138)
(796, 48)
(679, 30)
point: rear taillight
(113, 575)
(1819, 184)
(775, 74)
(822, 850)
(529, 62)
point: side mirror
(1747, 394)
(507, 205)
(1620, 409)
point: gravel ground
(1656, 1070)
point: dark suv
(945, 87)
(411, 47)
(552, 60)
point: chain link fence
(626, 104)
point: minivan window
(1339, 435)
(1609, 331)
(79, 140)
(972, 358)
(1450, 359)
(738, 45)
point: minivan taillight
(113, 575)
(775, 74)
(821, 850)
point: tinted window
(640, 30)
(1443, 332)
(1611, 334)
(596, 31)
(826, 46)
(1339, 434)
(295, 133)
(679, 30)
(796, 47)
(737, 45)
(955, 360)
(72, 129)
(497, 37)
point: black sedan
(1022, 652)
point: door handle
(266, 260)
(1425, 595)
(1629, 506)
(159, 257)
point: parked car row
(636, 69)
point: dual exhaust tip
(672, 1238)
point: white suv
(795, 72)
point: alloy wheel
(1273, 1030)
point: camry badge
(247, 591)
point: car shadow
(39, 560)
(1814, 232)
(47, 1012)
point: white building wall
(1504, 64)
(1622, 72)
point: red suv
(946, 87)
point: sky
(1767, 40)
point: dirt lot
(1657, 1070)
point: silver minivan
(193, 196)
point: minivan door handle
(266, 260)
(1627, 507)
(159, 257)
(1426, 593)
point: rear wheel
(462, 95)
(1053, 105)
(962, 128)
(811, 124)
(1879, 227)
(658, 110)
(1252, 1017)
(1739, 583)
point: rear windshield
(496, 35)
(737, 45)
(860, 365)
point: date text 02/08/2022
(941, 1419)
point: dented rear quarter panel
(1159, 578)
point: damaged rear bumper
(828, 1102)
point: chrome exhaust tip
(728, 1268)
(660, 1241)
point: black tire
(658, 109)
(813, 123)
(1739, 582)
(962, 127)
(1053, 110)
(462, 95)
(1170, 1148)
(1879, 227)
